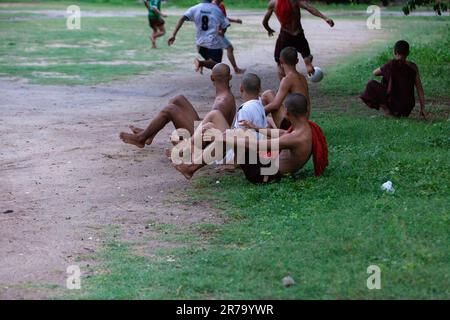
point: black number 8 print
(205, 22)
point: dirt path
(68, 179)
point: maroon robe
(396, 90)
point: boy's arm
(283, 91)
(268, 132)
(267, 17)
(305, 5)
(421, 94)
(235, 20)
(175, 31)
(146, 4)
(156, 10)
(283, 142)
(377, 72)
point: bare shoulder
(224, 100)
(413, 65)
(301, 77)
(271, 4)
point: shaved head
(289, 56)
(251, 83)
(296, 104)
(221, 73)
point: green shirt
(154, 3)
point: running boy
(211, 25)
(155, 20)
(291, 33)
(227, 44)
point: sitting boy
(395, 94)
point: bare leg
(179, 111)
(281, 73)
(309, 65)
(228, 142)
(386, 110)
(230, 54)
(209, 64)
(156, 34)
(277, 116)
(214, 119)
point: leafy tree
(438, 5)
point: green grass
(323, 232)
(104, 49)
(429, 38)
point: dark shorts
(285, 124)
(299, 42)
(253, 172)
(376, 94)
(156, 23)
(213, 54)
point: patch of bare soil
(66, 178)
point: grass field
(323, 232)
(104, 49)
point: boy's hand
(270, 32)
(239, 21)
(330, 22)
(247, 124)
(171, 40)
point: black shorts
(213, 54)
(253, 171)
(299, 42)
(155, 23)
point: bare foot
(137, 130)
(198, 66)
(153, 41)
(185, 170)
(226, 168)
(240, 71)
(132, 139)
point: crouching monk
(290, 149)
(395, 94)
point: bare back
(297, 83)
(296, 149)
(226, 104)
(293, 26)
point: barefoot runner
(228, 46)
(291, 33)
(182, 114)
(295, 146)
(211, 24)
(155, 20)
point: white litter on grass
(388, 186)
(288, 281)
(217, 182)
